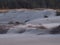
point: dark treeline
(12, 4)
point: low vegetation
(13, 4)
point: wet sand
(30, 40)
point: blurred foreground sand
(30, 40)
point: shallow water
(30, 36)
(23, 15)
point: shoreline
(6, 10)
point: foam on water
(33, 29)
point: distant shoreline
(6, 10)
